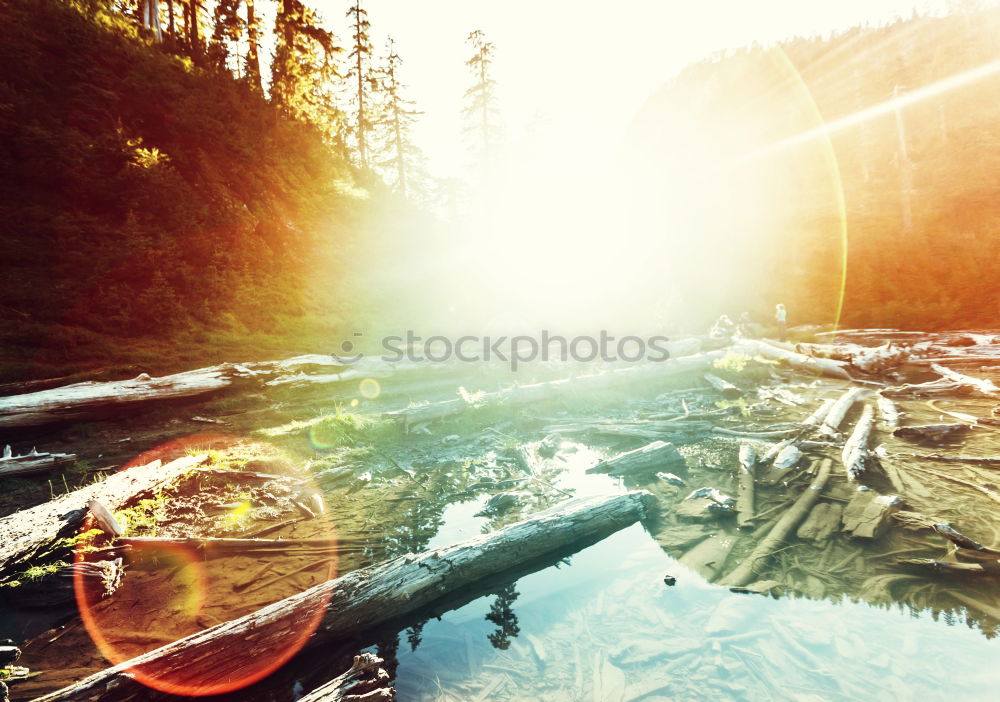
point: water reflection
(607, 628)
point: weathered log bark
(819, 366)
(356, 602)
(745, 495)
(867, 514)
(659, 455)
(855, 451)
(987, 568)
(819, 415)
(30, 533)
(984, 386)
(32, 463)
(96, 399)
(749, 569)
(364, 681)
(838, 411)
(100, 578)
(888, 412)
(930, 432)
(724, 387)
(524, 394)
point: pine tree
(227, 31)
(252, 64)
(395, 119)
(304, 68)
(360, 71)
(481, 109)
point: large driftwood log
(364, 681)
(30, 533)
(855, 452)
(838, 411)
(984, 386)
(658, 455)
(32, 463)
(358, 601)
(100, 578)
(819, 366)
(888, 412)
(723, 387)
(526, 394)
(751, 566)
(96, 399)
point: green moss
(143, 518)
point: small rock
(670, 580)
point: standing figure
(781, 317)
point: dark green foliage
(144, 196)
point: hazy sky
(571, 73)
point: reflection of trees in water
(387, 649)
(502, 614)
(414, 635)
(839, 568)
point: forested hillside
(757, 147)
(148, 198)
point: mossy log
(42, 530)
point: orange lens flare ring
(155, 610)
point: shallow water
(606, 627)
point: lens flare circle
(185, 585)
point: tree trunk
(745, 496)
(358, 601)
(253, 47)
(31, 463)
(838, 411)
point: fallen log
(658, 455)
(984, 386)
(364, 681)
(819, 415)
(204, 662)
(963, 541)
(745, 495)
(888, 412)
(930, 432)
(98, 399)
(867, 514)
(100, 578)
(526, 394)
(818, 366)
(723, 387)
(749, 569)
(32, 463)
(838, 411)
(855, 452)
(43, 530)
